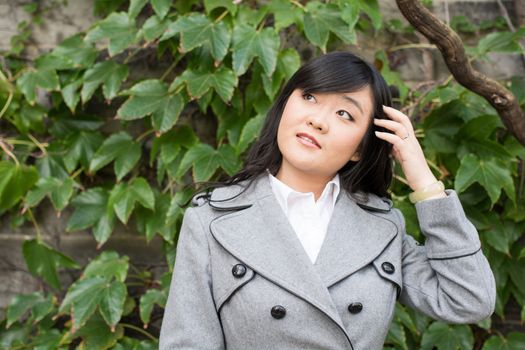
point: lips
(308, 139)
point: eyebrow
(353, 101)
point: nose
(318, 122)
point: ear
(355, 157)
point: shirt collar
(283, 191)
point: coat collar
(257, 232)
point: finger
(396, 127)
(400, 117)
(395, 140)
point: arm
(448, 278)
(190, 318)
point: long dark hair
(340, 72)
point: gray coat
(242, 279)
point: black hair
(340, 72)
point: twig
(505, 15)
(8, 152)
(141, 331)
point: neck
(304, 182)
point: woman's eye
(345, 115)
(309, 97)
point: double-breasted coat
(242, 279)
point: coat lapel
(355, 236)
(255, 230)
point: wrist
(432, 191)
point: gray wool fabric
(367, 259)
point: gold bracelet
(426, 192)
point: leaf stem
(140, 330)
(8, 152)
(412, 46)
(263, 22)
(144, 134)
(76, 173)
(298, 4)
(41, 146)
(37, 228)
(221, 16)
(7, 103)
(401, 179)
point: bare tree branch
(453, 51)
(519, 6)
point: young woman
(302, 249)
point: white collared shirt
(308, 218)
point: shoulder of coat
(372, 202)
(200, 199)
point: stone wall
(69, 17)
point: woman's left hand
(406, 148)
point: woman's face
(320, 132)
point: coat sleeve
(190, 318)
(448, 278)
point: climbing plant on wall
(86, 131)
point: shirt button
(278, 311)
(388, 267)
(355, 308)
(239, 270)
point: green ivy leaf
(210, 5)
(205, 160)
(285, 14)
(124, 196)
(250, 131)
(161, 7)
(81, 147)
(59, 191)
(445, 337)
(39, 305)
(321, 19)
(135, 7)
(43, 261)
(150, 222)
(500, 42)
(82, 299)
(109, 74)
(514, 341)
(112, 302)
(152, 97)
(249, 43)
(490, 174)
(15, 181)
(148, 300)
(30, 118)
(109, 265)
(167, 115)
(223, 81)
(28, 82)
(154, 27)
(71, 95)
(91, 209)
(370, 8)
(171, 142)
(480, 128)
(396, 335)
(197, 30)
(120, 148)
(96, 334)
(119, 28)
(76, 51)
